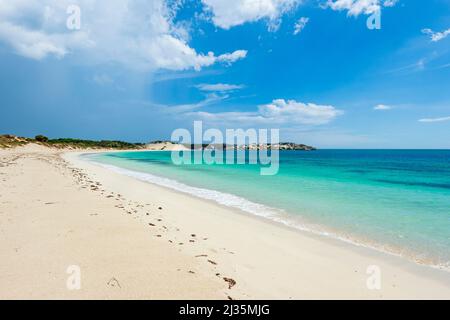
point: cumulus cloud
(137, 33)
(429, 120)
(300, 25)
(304, 113)
(382, 107)
(357, 7)
(279, 112)
(221, 87)
(229, 58)
(230, 13)
(436, 36)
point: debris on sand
(231, 282)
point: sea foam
(260, 210)
(221, 198)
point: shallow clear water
(395, 200)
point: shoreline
(322, 232)
(415, 268)
(151, 238)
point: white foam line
(236, 202)
(222, 198)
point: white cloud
(382, 107)
(420, 65)
(184, 109)
(436, 36)
(279, 112)
(232, 57)
(222, 87)
(357, 7)
(300, 25)
(136, 33)
(230, 13)
(298, 112)
(428, 120)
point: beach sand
(135, 240)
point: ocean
(397, 201)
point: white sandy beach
(133, 240)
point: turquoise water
(394, 200)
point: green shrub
(41, 138)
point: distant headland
(11, 141)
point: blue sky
(136, 70)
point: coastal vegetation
(11, 141)
(102, 144)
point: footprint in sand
(113, 282)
